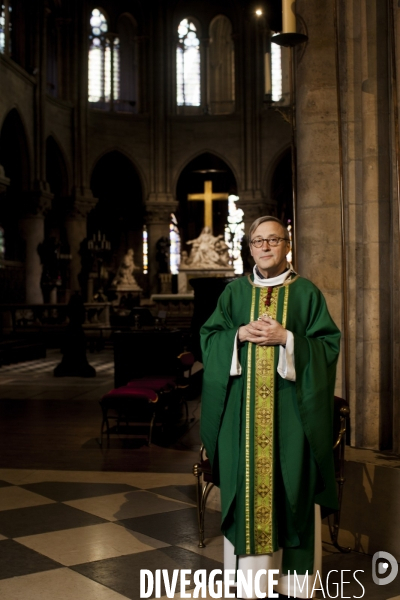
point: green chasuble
(270, 440)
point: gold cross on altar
(208, 198)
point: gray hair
(264, 219)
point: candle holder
(99, 248)
(289, 40)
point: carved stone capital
(159, 211)
(80, 205)
(37, 203)
(252, 208)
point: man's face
(270, 261)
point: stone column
(364, 90)
(251, 100)
(31, 228)
(252, 209)
(76, 228)
(158, 216)
(374, 409)
(318, 193)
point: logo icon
(382, 568)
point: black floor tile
(175, 527)
(184, 493)
(64, 491)
(122, 574)
(17, 560)
(19, 522)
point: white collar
(271, 281)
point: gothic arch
(14, 150)
(270, 169)
(278, 184)
(125, 154)
(205, 166)
(119, 212)
(195, 155)
(57, 166)
(14, 157)
(183, 15)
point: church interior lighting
(276, 71)
(5, 26)
(145, 251)
(188, 65)
(234, 232)
(175, 248)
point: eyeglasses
(272, 241)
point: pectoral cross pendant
(267, 300)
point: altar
(186, 275)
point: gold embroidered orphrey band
(262, 414)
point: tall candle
(288, 16)
(267, 73)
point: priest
(269, 352)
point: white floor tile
(87, 544)
(15, 497)
(115, 507)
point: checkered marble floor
(71, 536)
(83, 520)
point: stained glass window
(175, 248)
(145, 251)
(234, 232)
(188, 65)
(116, 62)
(5, 27)
(276, 72)
(289, 255)
(104, 61)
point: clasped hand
(264, 332)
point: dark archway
(55, 230)
(119, 213)
(281, 188)
(205, 167)
(57, 178)
(14, 157)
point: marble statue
(207, 252)
(125, 271)
(124, 281)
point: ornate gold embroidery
(263, 434)
(285, 305)
(263, 366)
(263, 515)
(263, 415)
(264, 541)
(263, 441)
(263, 490)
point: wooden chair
(148, 400)
(128, 405)
(203, 473)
